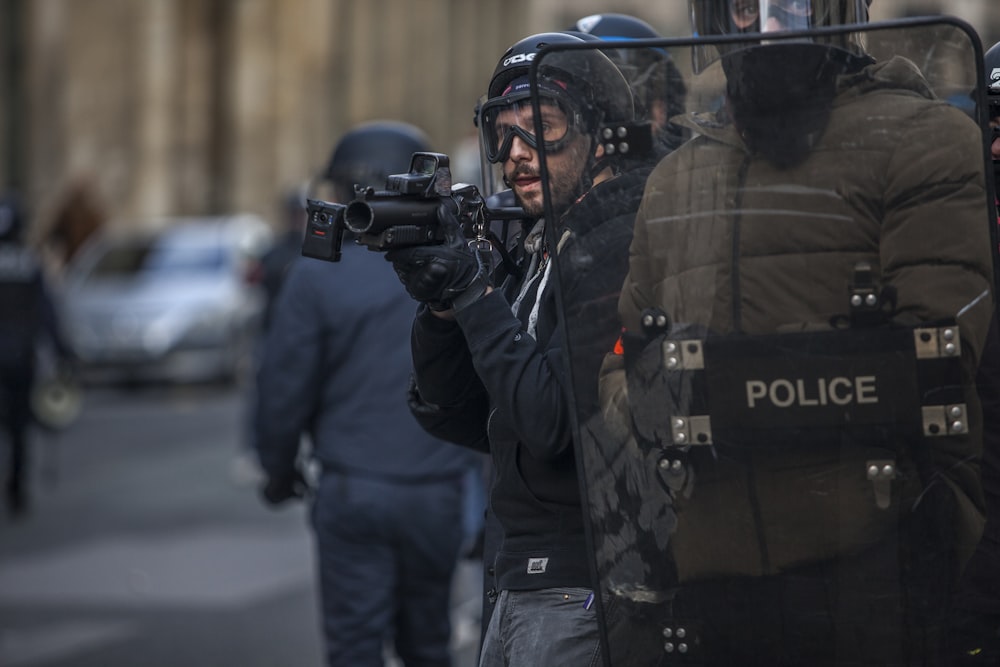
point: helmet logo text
(518, 58)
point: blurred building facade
(179, 107)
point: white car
(182, 304)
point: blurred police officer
(27, 319)
(387, 508)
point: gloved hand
(279, 488)
(447, 276)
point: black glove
(447, 276)
(280, 488)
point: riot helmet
(992, 69)
(657, 85)
(585, 85)
(368, 153)
(779, 92)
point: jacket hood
(897, 74)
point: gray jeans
(542, 629)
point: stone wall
(204, 106)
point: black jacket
(336, 366)
(500, 384)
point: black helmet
(11, 218)
(991, 61)
(586, 84)
(370, 152)
(651, 72)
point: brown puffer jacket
(728, 242)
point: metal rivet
(647, 321)
(950, 349)
(565, 597)
(661, 321)
(623, 148)
(673, 362)
(856, 300)
(872, 472)
(957, 427)
(671, 348)
(683, 648)
(678, 423)
(955, 411)
(948, 334)
(607, 133)
(680, 437)
(871, 300)
(669, 647)
(676, 466)
(668, 632)
(609, 149)
(622, 132)
(664, 463)
(681, 633)
(888, 471)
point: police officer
(793, 547)
(386, 511)
(658, 89)
(27, 320)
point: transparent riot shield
(772, 329)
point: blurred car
(181, 304)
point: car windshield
(149, 258)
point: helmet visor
(501, 119)
(734, 17)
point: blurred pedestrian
(270, 273)
(276, 262)
(387, 507)
(80, 213)
(27, 320)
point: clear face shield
(735, 17)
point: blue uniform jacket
(336, 366)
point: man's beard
(564, 188)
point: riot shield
(771, 337)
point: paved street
(146, 546)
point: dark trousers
(387, 553)
(15, 416)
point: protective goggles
(503, 118)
